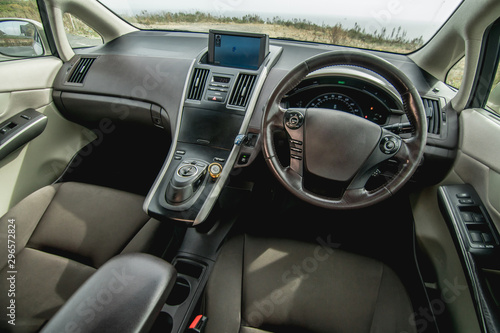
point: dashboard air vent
(81, 70)
(198, 83)
(433, 113)
(242, 90)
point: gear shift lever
(186, 180)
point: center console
(211, 135)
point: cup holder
(163, 324)
(179, 293)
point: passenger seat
(63, 234)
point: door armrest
(20, 129)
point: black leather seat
(275, 285)
(63, 233)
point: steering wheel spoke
(388, 146)
(275, 117)
(404, 155)
(293, 121)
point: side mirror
(21, 38)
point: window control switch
(476, 237)
(7, 128)
(488, 238)
(478, 217)
(467, 216)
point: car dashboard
(214, 113)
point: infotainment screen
(236, 49)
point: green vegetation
(19, 9)
(16, 41)
(394, 41)
(456, 73)
(74, 26)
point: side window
(493, 102)
(486, 92)
(21, 31)
(456, 74)
(79, 34)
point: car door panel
(478, 164)
(27, 84)
(478, 160)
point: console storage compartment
(130, 290)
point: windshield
(399, 26)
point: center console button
(215, 169)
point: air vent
(198, 83)
(242, 90)
(433, 113)
(81, 70)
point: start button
(215, 169)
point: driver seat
(262, 285)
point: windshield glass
(399, 26)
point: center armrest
(124, 295)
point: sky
(417, 17)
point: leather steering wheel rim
(409, 154)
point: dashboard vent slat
(433, 113)
(81, 69)
(242, 90)
(197, 84)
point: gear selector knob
(186, 181)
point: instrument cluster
(348, 94)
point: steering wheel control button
(215, 170)
(389, 145)
(294, 119)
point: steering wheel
(339, 146)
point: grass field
(296, 29)
(394, 41)
(15, 41)
(20, 9)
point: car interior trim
(171, 153)
(230, 145)
(233, 156)
(20, 129)
(209, 199)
